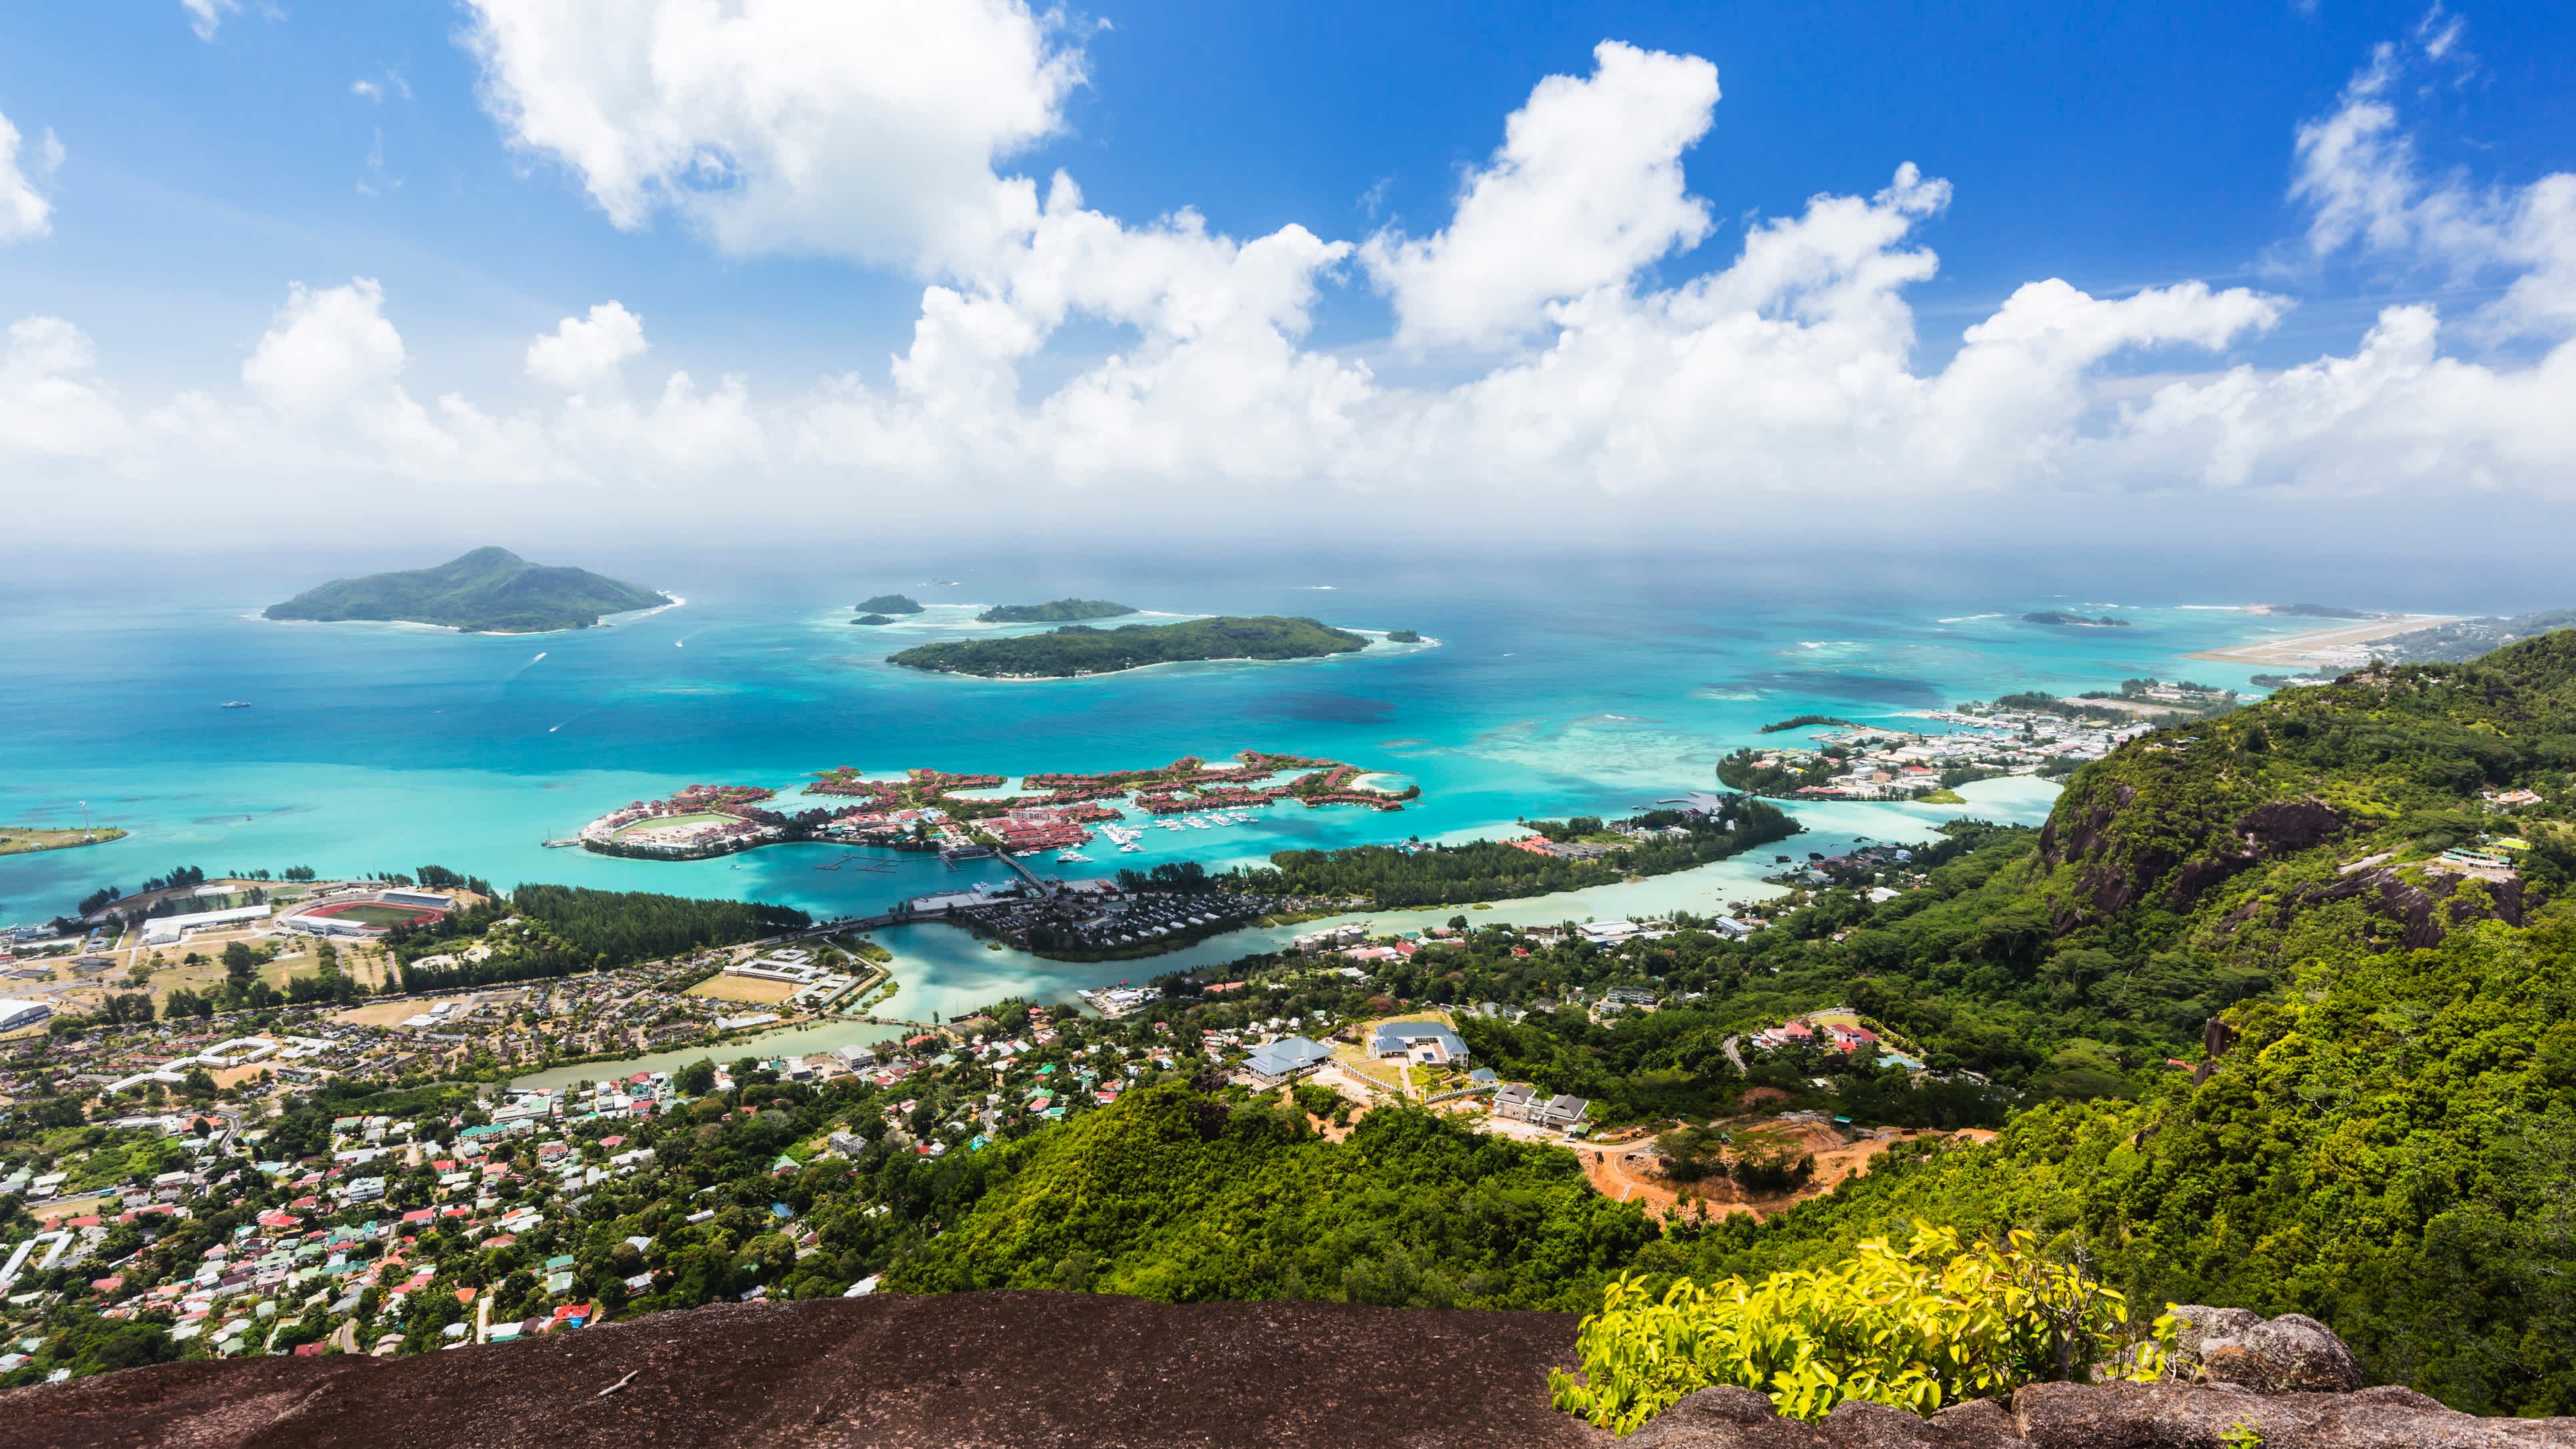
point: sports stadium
(366, 912)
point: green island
(1062, 611)
(1403, 636)
(28, 839)
(890, 604)
(487, 591)
(1077, 650)
(872, 619)
(2062, 618)
(1805, 721)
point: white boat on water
(1197, 823)
(1073, 855)
(1133, 849)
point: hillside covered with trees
(488, 591)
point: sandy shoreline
(2325, 647)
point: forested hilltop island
(1080, 649)
(2277, 1013)
(488, 591)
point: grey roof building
(1289, 1057)
(1424, 1041)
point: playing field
(675, 822)
(370, 914)
(745, 988)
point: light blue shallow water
(1554, 689)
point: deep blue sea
(1555, 687)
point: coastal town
(384, 1203)
(2030, 734)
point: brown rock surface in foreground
(1023, 1370)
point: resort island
(948, 812)
(1079, 649)
(1062, 611)
(488, 591)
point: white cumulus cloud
(865, 129)
(584, 352)
(1586, 189)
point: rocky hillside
(1017, 1370)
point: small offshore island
(1077, 650)
(487, 591)
(1062, 611)
(2061, 619)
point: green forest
(487, 591)
(565, 929)
(1078, 649)
(1182, 1195)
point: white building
(166, 930)
(15, 1014)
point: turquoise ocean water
(1551, 689)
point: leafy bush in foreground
(1919, 1329)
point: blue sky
(213, 156)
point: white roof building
(166, 930)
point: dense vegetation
(1078, 649)
(1182, 1195)
(1061, 611)
(1488, 870)
(891, 604)
(565, 929)
(1922, 1328)
(488, 591)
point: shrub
(1921, 1328)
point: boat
(236, 704)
